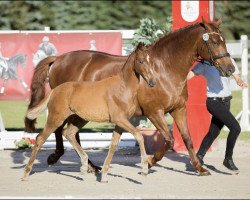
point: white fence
(240, 49)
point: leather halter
(212, 56)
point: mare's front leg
(113, 145)
(159, 121)
(180, 117)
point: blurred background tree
(91, 15)
(149, 31)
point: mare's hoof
(205, 173)
(151, 161)
(53, 158)
(94, 169)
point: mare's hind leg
(180, 118)
(54, 157)
(113, 145)
(69, 133)
(40, 139)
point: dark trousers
(221, 116)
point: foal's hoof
(104, 181)
(144, 174)
(104, 178)
(53, 158)
(83, 170)
(24, 179)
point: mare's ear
(219, 21)
(204, 21)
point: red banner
(20, 52)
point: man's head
(45, 39)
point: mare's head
(142, 65)
(212, 47)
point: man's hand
(240, 82)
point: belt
(222, 99)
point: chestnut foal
(113, 99)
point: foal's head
(142, 65)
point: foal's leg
(40, 139)
(70, 133)
(113, 145)
(126, 125)
(158, 119)
(54, 157)
(180, 118)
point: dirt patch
(173, 177)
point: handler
(218, 105)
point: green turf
(13, 116)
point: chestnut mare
(113, 99)
(171, 57)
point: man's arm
(236, 75)
(239, 81)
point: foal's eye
(140, 61)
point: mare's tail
(38, 89)
(33, 113)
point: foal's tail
(33, 113)
(38, 89)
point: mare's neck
(178, 49)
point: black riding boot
(203, 149)
(228, 163)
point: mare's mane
(172, 34)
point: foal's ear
(219, 22)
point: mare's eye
(216, 43)
(140, 61)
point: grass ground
(13, 116)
